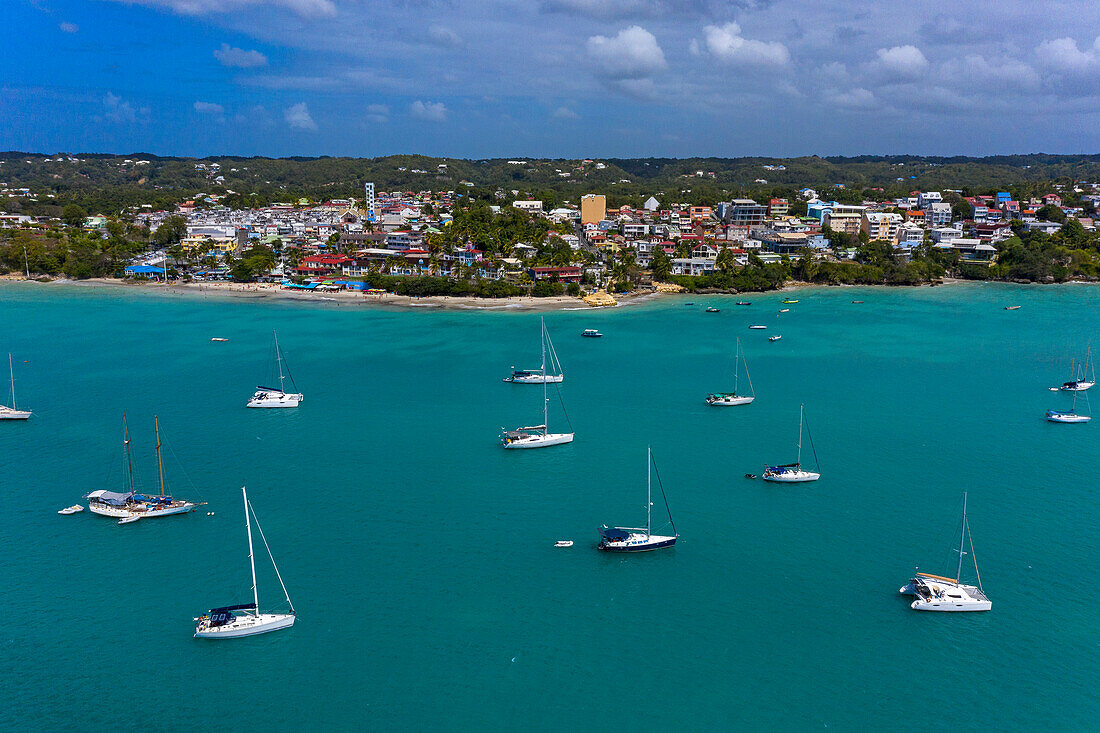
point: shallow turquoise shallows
(420, 555)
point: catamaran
(937, 593)
(641, 539)
(12, 413)
(128, 506)
(792, 473)
(272, 397)
(540, 376)
(231, 622)
(1071, 415)
(726, 399)
(1083, 380)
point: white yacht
(540, 376)
(13, 413)
(536, 436)
(727, 399)
(272, 397)
(128, 506)
(231, 622)
(640, 539)
(793, 473)
(937, 593)
(1081, 381)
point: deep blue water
(420, 556)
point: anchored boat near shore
(793, 473)
(937, 593)
(13, 413)
(277, 397)
(541, 375)
(641, 539)
(728, 399)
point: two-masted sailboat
(277, 397)
(937, 593)
(792, 473)
(129, 506)
(231, 622)
(727, 399)
(13, 412)
(554, 375)
(641, 539)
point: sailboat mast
(11, 374)
(279, 361)
(160, 463)
(648, 489)
(736, 356)
(962, 540)
(251, 558)
(545, 401)
(129, 460)
(801, 410)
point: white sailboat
(536, 436)
(793, 473)
(129, 506)
(1083, 380)
(1071, 415)
(640, 539)
(272, 397)
(231, 622)
(937, 593)
(727, 399)
(540, 376)
(12, 413)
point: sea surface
(420, 555)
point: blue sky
(564, 78)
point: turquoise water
(420, 555)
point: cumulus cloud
(906, 62)
(1063, 55)
(564, 113)
(118, 110)
(209, 108)
(975, 69)
(298, 117)
(433, 111)
(632, 54)
(378, 112)
(304, 8)
(647, 8)
(239, 57)
(726, 43)
(67, 27)
(443, 37)
(858, 98)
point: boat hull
(540, 441)
(121, 512)
(274, 399)
(728, 401)
(537, 379)
(794, 477)
(654, 543)
(7, 413)
(247, 625)
(1067, 418)
(950, 607)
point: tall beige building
(593, 208)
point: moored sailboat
(938, 593)
(641, 539)
(1080, 381)
(13, 412)
(727, 399)
(540, 376)
(792, 473)
(231, 622)
(277, 397)
(1071, 415)
(536, 436)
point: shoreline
(273, 293)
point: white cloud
(1063, 55)
(239, 58)
(726, 43)
(378, 112)
(304, 8)
(858, 98)
(298, 117)
(209, 108)
(564, 113)
(632, 54)
(433, 111)
(67, 27)
(977, 70)
(906, 61)
(118, 110)
(444, 37)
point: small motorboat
(563, 543)
(757, 327)
(857, 301)
(784, 310)
(774, 338)
(743, 302)
(788, 300)
(689, 303)
(750, 475)
(712, 309)
(219, 339)
(591, 333)
(71, 509)
(1012, 307)
(131, 518)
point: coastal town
(506, 242)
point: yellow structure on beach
(600, 298)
